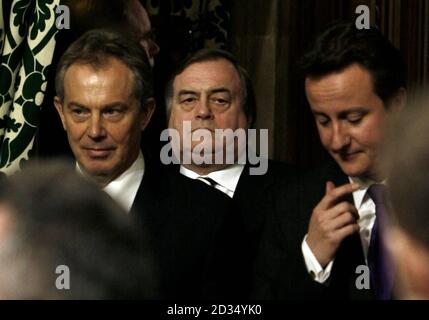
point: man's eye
(79, 112)
(323, 121)
(220, 101)
(355, 119)
(188, 100)
(112, 113)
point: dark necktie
(379, 261)
(210, 180)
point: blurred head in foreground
(406, 165)
(51, 219)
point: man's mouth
(98, 152)
(348, 156)
(205, 129)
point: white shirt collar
(227, 178)
(124, 188)
(360, 195)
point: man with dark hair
(104, 99)
(129, 16)
(209, 92)
(63, 238)
(325, 226)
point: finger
(329, 187)
(346, 231)
(343, 220)
(333, 196)
(341, 208)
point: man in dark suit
(322, 231)
(104, 99)
(207, 93)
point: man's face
(209, 96)
(102, 117)
(139, 19)
(350, 118)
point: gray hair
(95, 47)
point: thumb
(329, 186)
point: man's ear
(399, 100)
(59, 106)
(149, 108)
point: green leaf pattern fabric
(27, 45)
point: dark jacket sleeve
(280, 271)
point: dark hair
(60, 218)
(247, 90)
(93, 14)
(342, 45)
(95, 47)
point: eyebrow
(183, 92)
(344, 113)
(211, 91)
(107, 106)
(76, 104)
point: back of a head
(342, 44)
(93, 14)
(406, 165)
(58, 218)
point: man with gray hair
(210, 92)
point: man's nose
(96, 129)
(203, 110)
(340, 137)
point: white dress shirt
(226, 179)
(366, 209)
(124, 188)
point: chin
(97, 169)
(354, 170)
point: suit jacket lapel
(251, 197)
(150, 209)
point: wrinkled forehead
(207, 75)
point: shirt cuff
(313, 266)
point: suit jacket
(242, 226)
(281, 272)
(184, 229)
